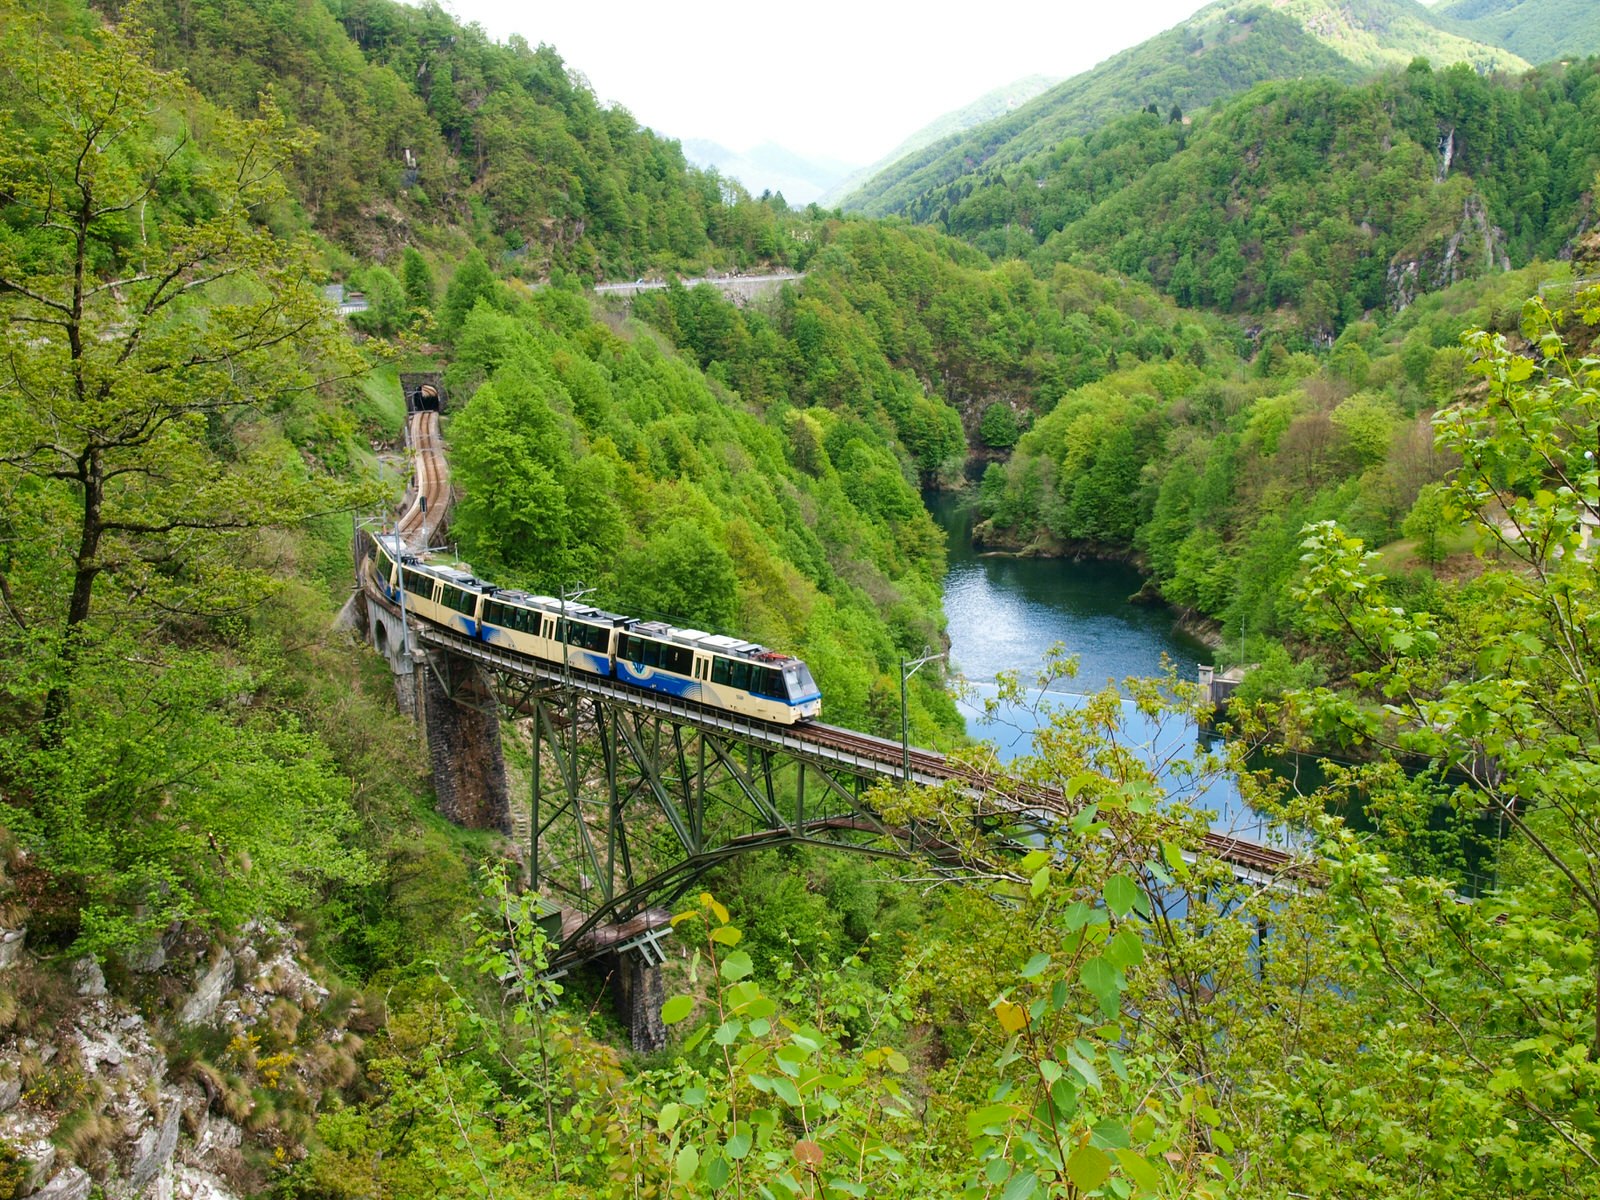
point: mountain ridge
(1221, 50)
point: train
(714, 670)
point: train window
(721, 670)
(767, 683)
(676, 659)
(741, 676)
(419, 585)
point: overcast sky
(843, 79)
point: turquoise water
(1004, 614)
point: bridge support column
(388, 637)
(463, 724)
(637, 994)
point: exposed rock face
(141, 1149)
(1474, 247)
(28, 1133)
(208, 991)
(73, 1183)
(10, 1087)
(11, 942)
(155, 1144)
(88, 978)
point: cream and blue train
(710, 669)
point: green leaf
(736, 966)
(1033, 860)
(993, 1116)
(1022, 1186)
(1122, 894)
(1088, 1168)
(688, 1163)
(786, 1091)
(667, 1117)
(1139, 1169)
(727, 935)
(728, 1032)
(1105, 981)
(1110, 1135)
(1035, 964)
(1125, 950)
(676, 1009)
(739, 1144)
(1084, 1068)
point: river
(1005, 613)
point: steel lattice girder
(707, 796)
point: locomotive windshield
(801, 686)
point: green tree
(151, 315)
(417, 280)
(1505, 689)
(998, 427)
(155, 324)
(472, 282)
(683, 572)
(386, 303)
(1429, 521)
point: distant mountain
(1306, 203)
(986, 107)
(1220, 51)
(1538, 30)
(771, 167)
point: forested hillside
(1308, 204)
(990, 106)
(1222, 50)
(241, 954)
(429, 132)
(1538, 30)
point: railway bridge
(632, 795)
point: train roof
(717, 642)
(461, 576)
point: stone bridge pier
(452, 699)
(462, 719)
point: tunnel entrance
(424, 391)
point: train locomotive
(709, 669)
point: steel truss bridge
(633, 795)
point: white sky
(841, 79)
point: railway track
(861, 752)
(1237, 851)
(428, 495)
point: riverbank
(1187, 622)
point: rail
(833, 746)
